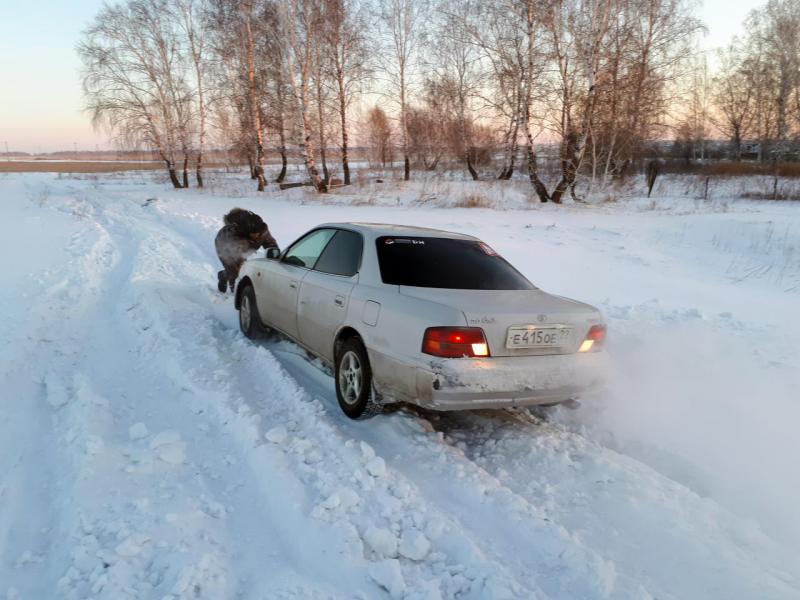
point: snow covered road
(150, 451)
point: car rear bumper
(459, 384)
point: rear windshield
(446, 263)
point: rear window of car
(446, 263)
(342, 255)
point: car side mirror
(273, 253)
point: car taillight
(455, 342)
(594, 339)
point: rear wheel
(249, 321)
(353, 377)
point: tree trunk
(326, 175)
(514, 145)
(199, 169)
(533, 167)
(259, 164)
(343, 119)
(511, 143)
(321, 117)
(307, 151)
(201, 104)
(345, 160)
(282, 149)
(284, 162)
(575, 146)
(258, 133)
(470, 168)
(465, 139)
(186, 170)
(404, 125)
(568, 168)
(507, 144)
(173, 174)
(533, 174)
(307, 146)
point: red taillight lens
(455, 342)
(594, 339)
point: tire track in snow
(122, 525)
(505, 525)
(309, 426)
(585, 527)
(45, 474)
(647, 525)
(253, 513)
(556, 496)
(32, 480)
(583, 574)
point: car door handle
(339, 301)
(293, 284)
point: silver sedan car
(408, 314)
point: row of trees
(596, 77)
(755, 93)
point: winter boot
(222, 282)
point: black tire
(353, 381)
(249, 321)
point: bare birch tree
(379, 135)
(454, 67)
(129, 66)
(733, 97)
(345, 40)
(402, 20)
(301, 24)
(190, 14)
(773, 45)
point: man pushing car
(244, 232)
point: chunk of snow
(495, 589)
(427, 590)
(137, 431)
(276, 435)
(367, 451)
(414, 544)
(174, 454)
(164, 438)
(349, 498)
(132, 545)
(376, 467)
(388, 575)
(332, 501)
(382, 541)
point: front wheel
(353, 377)
(249, 321)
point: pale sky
(40, 95)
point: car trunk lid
(495, 311)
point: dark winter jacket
(235, 241)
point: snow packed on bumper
(499, 380)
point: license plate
(531, 336)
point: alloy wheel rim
(244, 313)
(350, 377)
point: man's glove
(267, 241)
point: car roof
(381, 229)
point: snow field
(153, 452)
